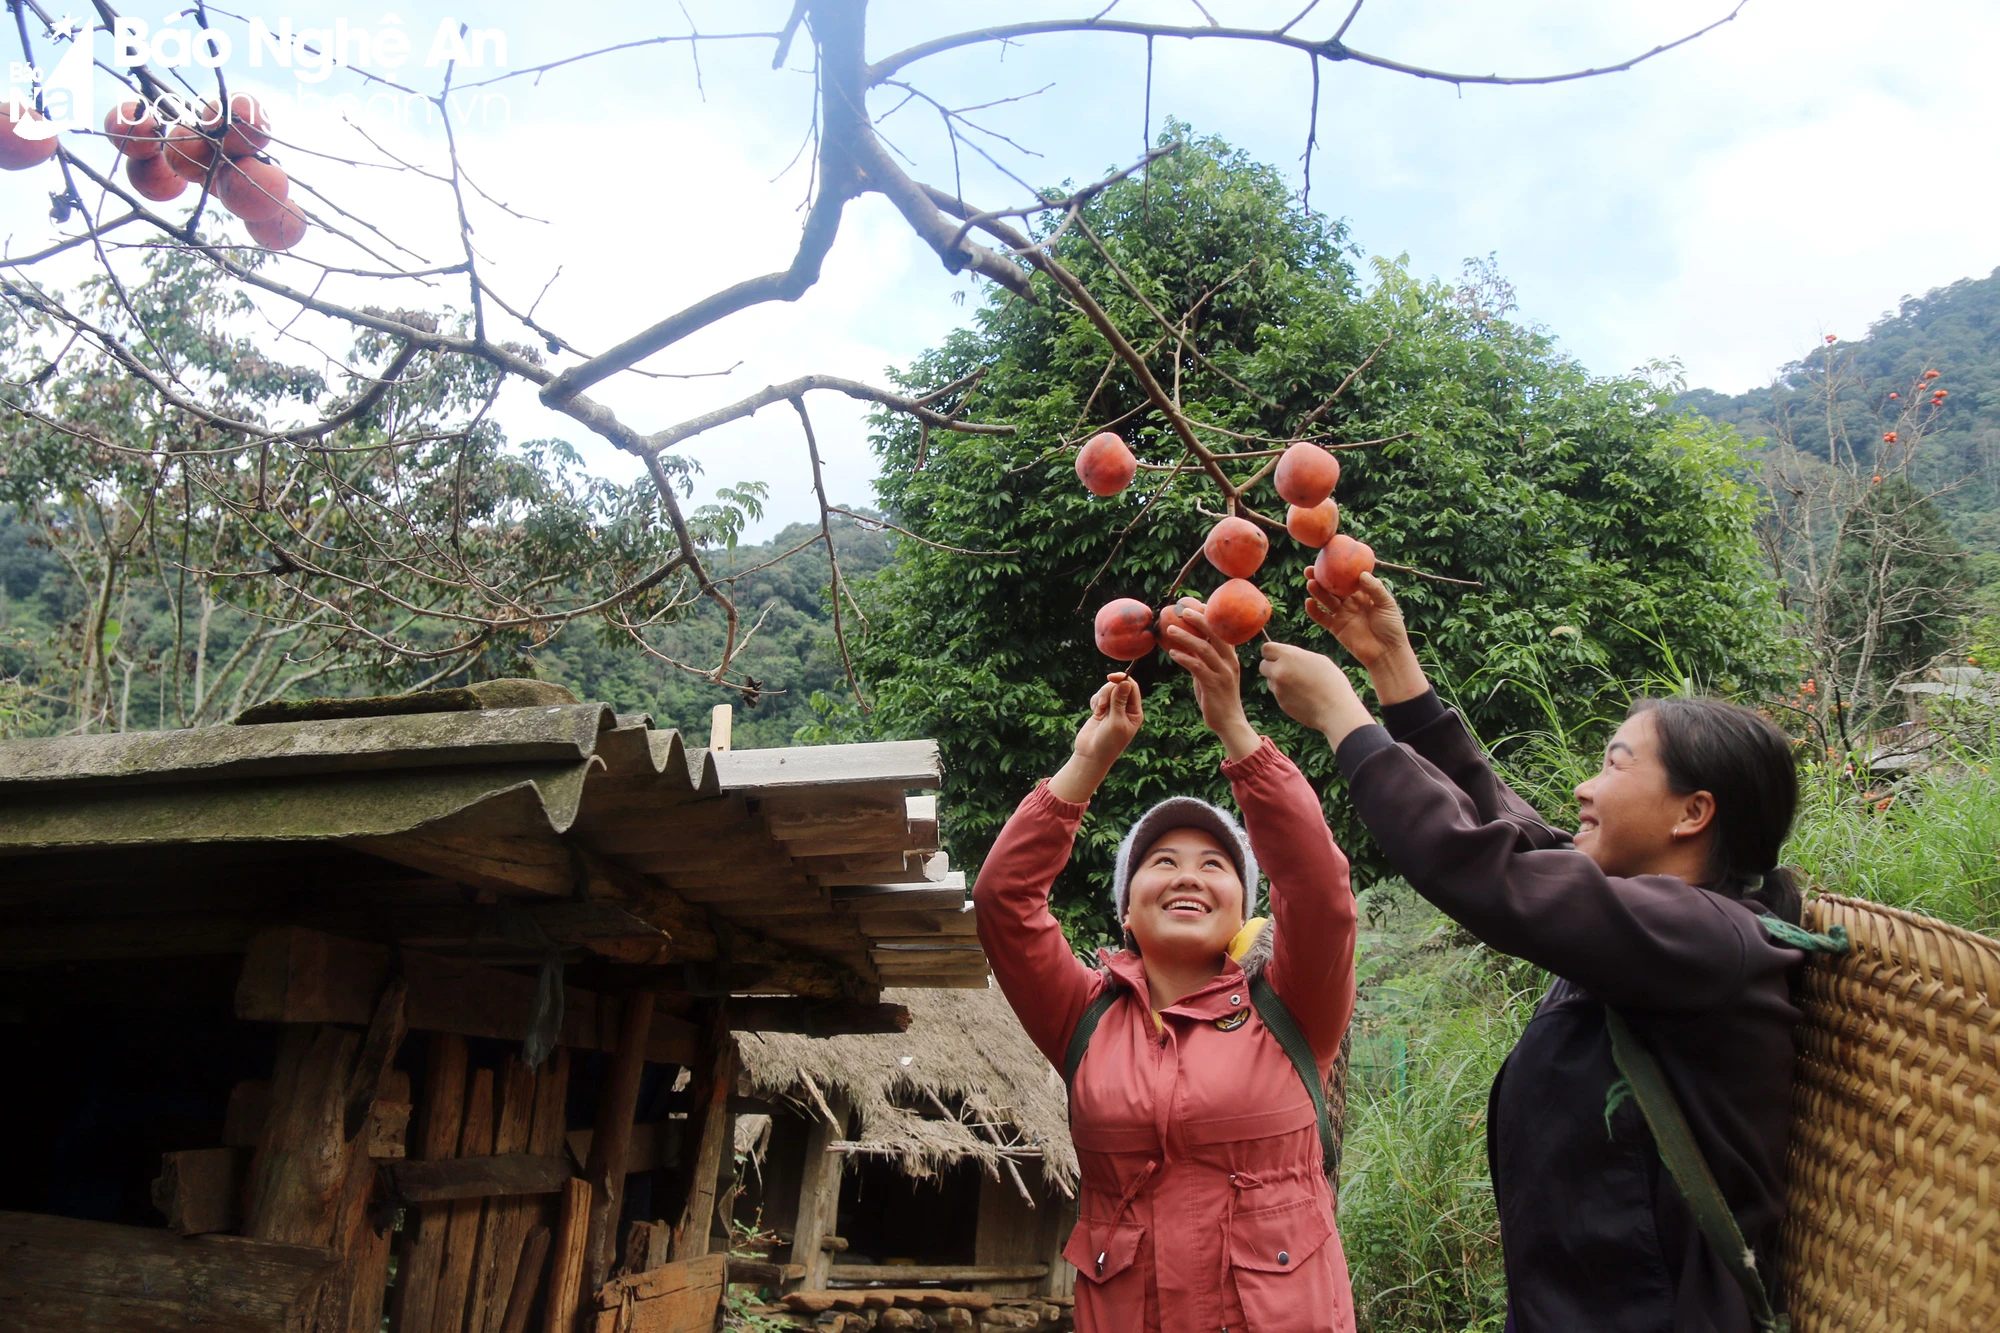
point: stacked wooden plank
(476, 1241)
(820, 849)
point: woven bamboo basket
(1894, 1221)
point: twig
(878, 524)
(1341, 388)
(1434, 578)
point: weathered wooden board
(810, 813)
(461, 1242)
(819, 1192)
(293, 975)
(946, 893)
(566, 1271)
(908, 764)
(708, 1117)
(504, 862)
(920, 812)
(678, 1297)
(60, 1275)
(506, 1222)
(200, 1190)
(489, 1177)
(617, 1097)
(425, 1228)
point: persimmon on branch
(338, 512)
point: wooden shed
(921, 1162)
(420, 1009)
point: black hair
(1746, 764)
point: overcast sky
(1793, 173)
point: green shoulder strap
(1079, 1040)
(1642, 1081)
(1277, 1019)
(1683, 1159)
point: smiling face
(1185, 899)
(1630, 821)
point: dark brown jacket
(1594, 1232)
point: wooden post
(527, 1276)
(721, 722)
(311, 1176)
(707, 1145)
(819, 1195)
(461, 1242)
(566, 1277)
(506, 1222)
(301, 1161)
(617, 1102)
(424, 1230)
(353, 1299)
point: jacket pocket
(1105, 1251)
(1287, 1276)
(1268, 1124)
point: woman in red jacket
(1204, 1205)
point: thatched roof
(963, 1083)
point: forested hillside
(1954, 330)
(790, 655)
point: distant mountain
(1954, 330)
(791, 654)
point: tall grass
(1930, 844)
(1417, 1215)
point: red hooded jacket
(1204, 1203)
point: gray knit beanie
(1184, 812)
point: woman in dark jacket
(1651, 907)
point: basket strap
(1835, 941)
(1079, 1040)
(1683, 1159)
(1279, 1022)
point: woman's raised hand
(1218, 682)
(1116, 714)
(1313, 690)
(1369, 624)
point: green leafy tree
(403, 544)
(1608, 537)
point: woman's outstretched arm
(1031, 958)
(1470, 846)
(1312, 902)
